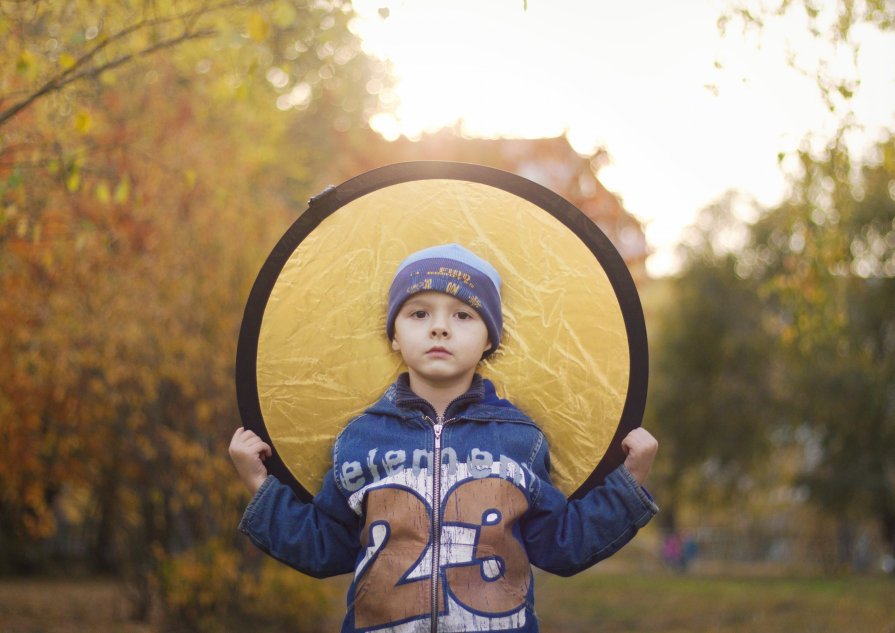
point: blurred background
(739, 154)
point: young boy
(462, 562)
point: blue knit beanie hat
(453, 270)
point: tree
(826, 259)
(823, 267)
(834, 28)
(782, 339)
(712, 399)
(136, 205)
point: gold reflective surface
(323, 355)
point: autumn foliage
(137, 202)
(151, 155)
(152, 152)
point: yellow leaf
(102, 192)
(122, 191)
(204, 411)
(285, 15)
(67, 61)
(83, 122)
(259, 29)
(190, 176)
(74, 181)
(25, 63)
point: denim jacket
(497, 514)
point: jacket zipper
(436, 520)
(437, 427)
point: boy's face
(441, 339)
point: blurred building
(551, 162)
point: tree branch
(71, 74)
(63, 80)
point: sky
(684, 113)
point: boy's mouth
(438, 351)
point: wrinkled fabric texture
(565, 355)
(469, 554)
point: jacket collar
(405, 398)
(479, 403)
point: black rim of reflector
(334, 198)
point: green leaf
(15, 179)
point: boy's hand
(248, 451)
(640, 447)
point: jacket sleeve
(565, 536)
(320, 538)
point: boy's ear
(395, 345)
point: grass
(609, 602)
(612, 603)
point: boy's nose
(440, 326)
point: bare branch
(77, 72)
(63, 80)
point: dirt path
(65, 606)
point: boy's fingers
(256, 445)
(235, 440)
(630, 441)
(246, 436)
(247, 442)
(639, 437)
(261, 446)
(640, 444)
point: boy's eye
(418, 314)
(464, 315)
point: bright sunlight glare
(684, 114)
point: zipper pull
(437, 428)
